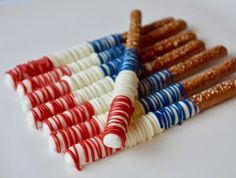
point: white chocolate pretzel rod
(146, 54)
(50, 62)
(146, 86)
(64, 138)
(151, 124)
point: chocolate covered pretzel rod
(151, 124)
(62, 139)
(146, 86)
(160, 48)
(50, 62)
(95, 73)
(125, 88)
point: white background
(202, 147)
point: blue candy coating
(162, 98)
(154, 82)
(166, 117)
(105, 43)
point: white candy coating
(9, 80)
(84, 78)
(112, 141)
(71, 55)
(20, 90)
(25, 104)
(51, 143)
(31, 121)
(46, 130)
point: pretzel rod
(206, 79)
(166, 45)
(92, 74)
(215, 95)
(178, 55)
(158, 100)
(151, 124)
(147, 54)
(146, 86)
(165, 31)
(50, 62)
(197, 62)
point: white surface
(202, 147)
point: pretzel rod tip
(215, 95)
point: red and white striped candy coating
(72, 116)
(88, 151)
(61, 140)
(65, 86)
(29, 69)
(42, 112)
(52, 107)
(59, 89)
(30, 84)
(83, 111)
(119, 117)
(48, 93)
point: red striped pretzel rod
(49, 62)
(62, 139)
(151, 124)
(146, 86)
(78, 80)
(146, 54)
